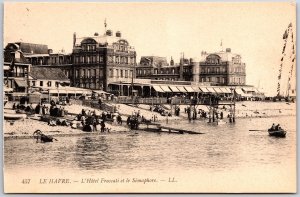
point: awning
(225, 90)
(157, 89)
(204, 90)
(239, 91)
(248, 89)
(21, 82)
(228, 90)
(100, 92)
(218, 90)
(210, 89)
(181, 88)
(174, 89)
(196, 89)
(58, 91)
(189, 89)
(165, 88)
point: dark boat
(277, 133)
(42, 137)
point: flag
(293, 60)
(290, 25)
(105, 24)
(285, 35)
(282, 59)
(221, 44)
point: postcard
(136, 97)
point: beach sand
(247, 109)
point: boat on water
(38, 135)
(8, 116)
(277, 133)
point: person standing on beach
(102, 126)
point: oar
(256, 130)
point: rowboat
(277, 133)
(14, 116)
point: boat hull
(14, 116)
(277, 133)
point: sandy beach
(25, 128)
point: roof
(225, 56)
(31, 48)
(153, 61)
(102, 39)
(48, 73)
(18, 57)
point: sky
(253, 30)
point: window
(121, 73)
(117, 72)
(41, 83)
(126, 73)
(173, 71)
(95, 72)
(100, 73)
(67, 73)
(111, 72)
(101, 59)
(49, 83)
(88, 73)
(77, 73)
(83, 73)
(130, 73)
(57, 84)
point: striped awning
(196, 88)
(239, 91)
(218, 90)
(210, 89)
(174, 89)
(157, 88)
(165, 88)
(181, 88)
(204, 90)
(225, 90)
(189, 89)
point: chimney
(74, 39)
(118, 34)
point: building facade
(221, 68)
(157, 68)
(101, 60)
